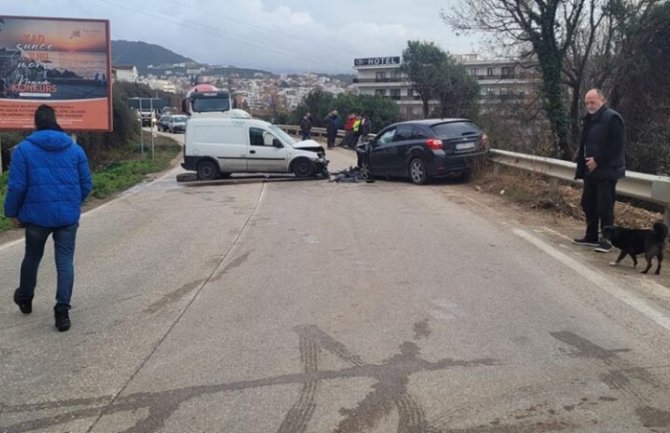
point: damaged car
(216, 147)
(424, 149)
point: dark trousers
(64, 240)
(305, 135)
(598, 197)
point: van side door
(266, 153)
(227, 144)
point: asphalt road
(256, 305)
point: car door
(398, 150)
(381, 150)
(266, 153)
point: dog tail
(661, 231)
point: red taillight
(485, 140)
(434, 143)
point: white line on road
(599, 280)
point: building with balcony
(499, 80)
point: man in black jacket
(600, 162)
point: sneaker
(25, 305)
(586, 241)
(604, 246)
(62, 320)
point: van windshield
(281, 134)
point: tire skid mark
(298, 417)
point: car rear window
(455, 129)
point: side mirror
(276, 143)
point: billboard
(62, 62)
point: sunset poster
(62, 62)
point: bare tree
(549, 26)
(594, 56)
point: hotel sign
(377, 61)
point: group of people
(49, 179)
(356, 126)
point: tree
(641, 90)
(318, 102)
(549, 27)
(422, 63)
(456, 90)
(594, 56)
(381, 110)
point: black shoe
(62, 320)
(25, 304)
(586, 241)
(604, 246)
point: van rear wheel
(303, 167)
(207, 170)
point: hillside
(142, 54)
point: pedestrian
(306, 126)
(49, 179)
(365, 127)
(600, 163)
(348, 134)
(332, 125)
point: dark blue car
(422, 149)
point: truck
(208, 100)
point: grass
(128, 169)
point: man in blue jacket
(49, 179)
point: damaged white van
(215, 147)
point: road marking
(599, 280)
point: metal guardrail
(646, 187)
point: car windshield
(219, 103)
(179, 118)
(281, 134)
(455, 129)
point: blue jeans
(36, 238)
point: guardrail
(646, 187)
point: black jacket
(305, 125)
(603, 139)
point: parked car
(218, 146)
(163, 122)
(422, 149)
(177, 123)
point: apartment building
(499, 80)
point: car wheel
(417, 171)
(303, 167)
(207, 170)
(364, 169)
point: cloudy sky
(276, 35)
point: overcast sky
(276, 35)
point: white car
(177, 123)
(218, 146)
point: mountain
(142, 55)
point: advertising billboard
(62, 62)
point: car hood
(308, 145)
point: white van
(217, 146)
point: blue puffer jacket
(49, 179)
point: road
(307, 306)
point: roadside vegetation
(115, 158)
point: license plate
(464, 146)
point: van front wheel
(207, 170)
(303, 167)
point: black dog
(634, 241)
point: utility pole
(141, 131)
(151, 104)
